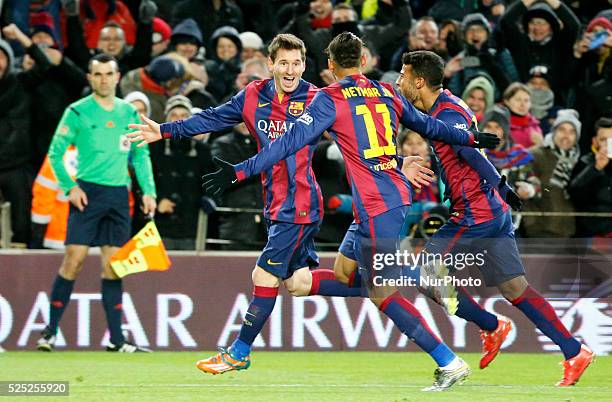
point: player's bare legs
(345, 268)
(71, 267)
(300, 283)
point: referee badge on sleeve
(124, 144)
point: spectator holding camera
(553, 163)
(591, 187)
(478, 57)
(591, 67)
(524, 127)
(541, 33)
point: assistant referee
(99, 206)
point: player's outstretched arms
(146, 133)
(438, 130)
(215, 183)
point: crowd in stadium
(536, 73)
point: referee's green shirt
(103, 148)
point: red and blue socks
(470, 310)
(256, 316)
(324, 283)
(542, 314)
(112, 297)
(407, 318)
(60, 296)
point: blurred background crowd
(536, 73)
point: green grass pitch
(300, 376)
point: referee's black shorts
(105, 221)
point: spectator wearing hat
(252, 46)
(160, 37)
(541, 33)
(542, 97)
(243, 228)
(224, 65)
(140, 101)
(590, 69)
(478, 57)
(110, 37)
(15, 125)
(63, 79)
(159, 80)
(478, 94)
(553, 164)
(178, 166)
(591, 186)
(524, 127)
(511, 160)
(186, 38)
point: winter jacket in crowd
(207, 17)
(15, 111)
(553, 52)
(247, 228)
(591, 191)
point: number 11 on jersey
(376, 149)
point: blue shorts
(105, 221)
(290, 247)
(347, 247)
(494, 238)
(378, 235)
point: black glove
(509, 195)
(215, 183)
(484, 140)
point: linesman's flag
(144, 252)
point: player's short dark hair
(286, 42)
(427, 65)
(102, 58)
(345, 50)
(603, 122)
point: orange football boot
(493, 340)
(222, 362)
(574, 367)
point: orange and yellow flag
(144, 252)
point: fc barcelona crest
(296, 108)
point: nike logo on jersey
(270, 262)
(263, 104)
(234, 181)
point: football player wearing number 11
(364, 116)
